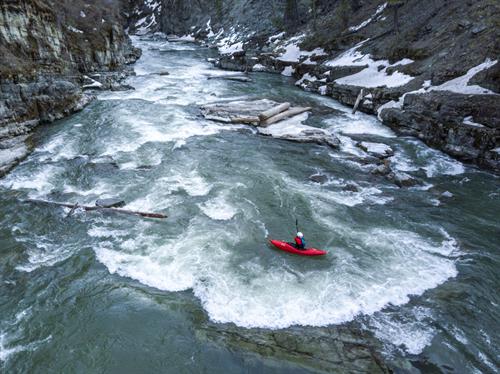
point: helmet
(300, 235)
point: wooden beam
(273, 111)
(283, 115)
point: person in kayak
(300, 242)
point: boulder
(402, 179)
(350, 187)
(319, 178)
(110, 203)
(292, 129)
(382, 169)
(378, 150)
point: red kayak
(287, 247)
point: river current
(417, 267)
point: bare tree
(291, 16)
(395, 5)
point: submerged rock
(378, 150)
(350, 187)
(319, 178)
(402, 179)
(382, 169)
(337, 349)
(11, 152)
(110, 203)
(293, 130)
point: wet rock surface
(110, 203)
(419, 41)
(291, 129)
(336, 349)
(44, 61)
(438, 119)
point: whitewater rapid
(226, 190)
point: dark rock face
(438, 119)
(46, 48)
(444, 40)
(336, 349)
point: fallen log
(283, 115)
(248, 120)
(359, 100)
(239, 78)
(92, 208)
(273, 111)
(226, 74)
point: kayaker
(300, 242)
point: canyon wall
(48, 50)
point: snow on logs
(273, 111)
(278, 120)
(291, 112)
(260, 113)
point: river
(416, 267)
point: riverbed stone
(110, 203)
(378, 150)
(319, 178)
(333, 349)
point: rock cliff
(46, 49)
(429, 70)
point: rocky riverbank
(51, 54)
(427, 71)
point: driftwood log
(273, 111)
(250, 120)
(102, 209)
(359, 100)
(239, 78)
(226, 74)
(283, 115)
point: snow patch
(288, 71)
(258, 67)
(379, 10)
(470, 121)
(461, 84)
(74, 29)
(231, 49)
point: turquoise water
(111, 293)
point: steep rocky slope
(429, 71)
(46, 48)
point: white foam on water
(411, 333)
(433, 162)
(43, 252)
(39, 182)
(100, 189)
(274, 299)
(441, 164)
(103, 232)
(357, 125)
(191, 182)
(402, 162)
(6, 351)
(218, 208)
(380, 266)
(172, 264)
(142, 131)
